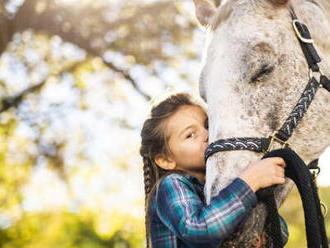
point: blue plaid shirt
(181, 217)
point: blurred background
(77, 80)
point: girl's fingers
(281, 170)
(280, 161)
(281, 180)
(279, 174)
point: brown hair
(154, 142)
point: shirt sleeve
(180, 208)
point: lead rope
(297, 170)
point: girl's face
(188, 139)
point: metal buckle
(312, 74)
(305, 40)
(273, 138)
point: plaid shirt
(181, 217)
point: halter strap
(297, 170)
(306, 42)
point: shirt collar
(194, 179)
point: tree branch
(86, 27)
(14, 101)
(127, 77)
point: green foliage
(12, 173)
(63, 229)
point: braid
(148, 177)
(152, 174)
(148, 182)
(154, 142)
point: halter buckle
(274, 139)
(305, 40)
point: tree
(66, 69)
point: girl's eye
(191, 134)
(206, 123)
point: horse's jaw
(224, 167)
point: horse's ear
(205, 11)
(279, 2)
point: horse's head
(254, 72)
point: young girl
(174, 140)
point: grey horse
(253, 74)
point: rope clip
(324, 207)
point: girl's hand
(264, 173)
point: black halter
(284, 133)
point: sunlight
(84, 2)
(67, 1)
(13, 5)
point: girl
(174, 140)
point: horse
(253, 73)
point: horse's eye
(264, 70)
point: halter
(282, 135)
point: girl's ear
(165, 162)
(205, 11)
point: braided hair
(154, 142)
